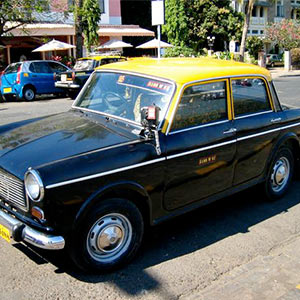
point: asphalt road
(180, 259)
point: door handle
(231, 130)
(34, 75)
(276, 120)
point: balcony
(295, 3)
(258, 21)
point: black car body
(72, 81)
(145, 141)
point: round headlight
(34, 186)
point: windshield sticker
(158, 85)
(121, 79)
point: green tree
(188, 23)
(254, 45)
(18, 13)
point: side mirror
(150, 116)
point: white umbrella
(54, 45)
(114, 44)
(154, 44)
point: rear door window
(40, 67)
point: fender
(113, 187)
(289, 136)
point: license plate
(7, 90)
(63, 77)
(4, 233)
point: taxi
(146, 140)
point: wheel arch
(28, 85)
(131, 191)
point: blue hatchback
(24, 80)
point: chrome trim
(27, 234)
(266, 132)
(204, 80)
(199, 126)
(174, 86)
(40, 183)
(253, 115)
(40, 211)
(66, 85)
(50, 186)
(201, 149)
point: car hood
(54, 138)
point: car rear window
(84, 64)
(13, 68)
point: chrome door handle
(276, 120)
(231, 130)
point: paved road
(208, 254)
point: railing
(258, 21)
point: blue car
(24, 80)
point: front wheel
(29, 94)
(108, 237)
(280, 174)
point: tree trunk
(78, 29)
(245, 29)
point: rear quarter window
(13, 68)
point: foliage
(295, 54)
(91, 16)
(254, 45)
(176, 27)
(66, 60)
(19, 12)
(188, 23)
(286, 34)
(180, 51)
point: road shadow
(180, 236)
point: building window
(254, 11)
(254, 31)
(261, 12)
(102, 6)
(279, 9)
(261, 32)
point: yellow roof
(183, 70)
(99, 57)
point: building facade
(55, 24)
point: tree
(286, 34)
(18, 13)
(91, 16)
(188, 23)
(87, 15)
(254, 45)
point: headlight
(34, 186)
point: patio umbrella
(154, 44)
(114, 44)
(54, 45)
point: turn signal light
(38, 213)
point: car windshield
(123, 95)
(84, 64)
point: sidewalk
(272, 277)
(280, 72)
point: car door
(55, 68)
(255, 121)
(200, 146)
(41, 75)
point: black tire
(280, 174)
(108, 237)
(29, 93)
(272, 65)
(8, 98)
(73, 94)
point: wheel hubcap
(29, 94)
(109, 237)
(280, 174)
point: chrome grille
(12, 190)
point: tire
(108, 237)
(280, 174)
(29, 94)
(73, 94)
(272, 65)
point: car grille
(12, 190)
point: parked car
(24, 80)
(274, 60)
(72, 81)
(146, 140)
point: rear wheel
(280, 174)
(29, 94)
(108, 237)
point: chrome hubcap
(280, 174)
(109, 237)
(29, 94)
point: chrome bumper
(60, 84)
(20, 232)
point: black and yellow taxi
(146, 140)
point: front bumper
(20, 232)
(66, 85)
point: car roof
(183, 70)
